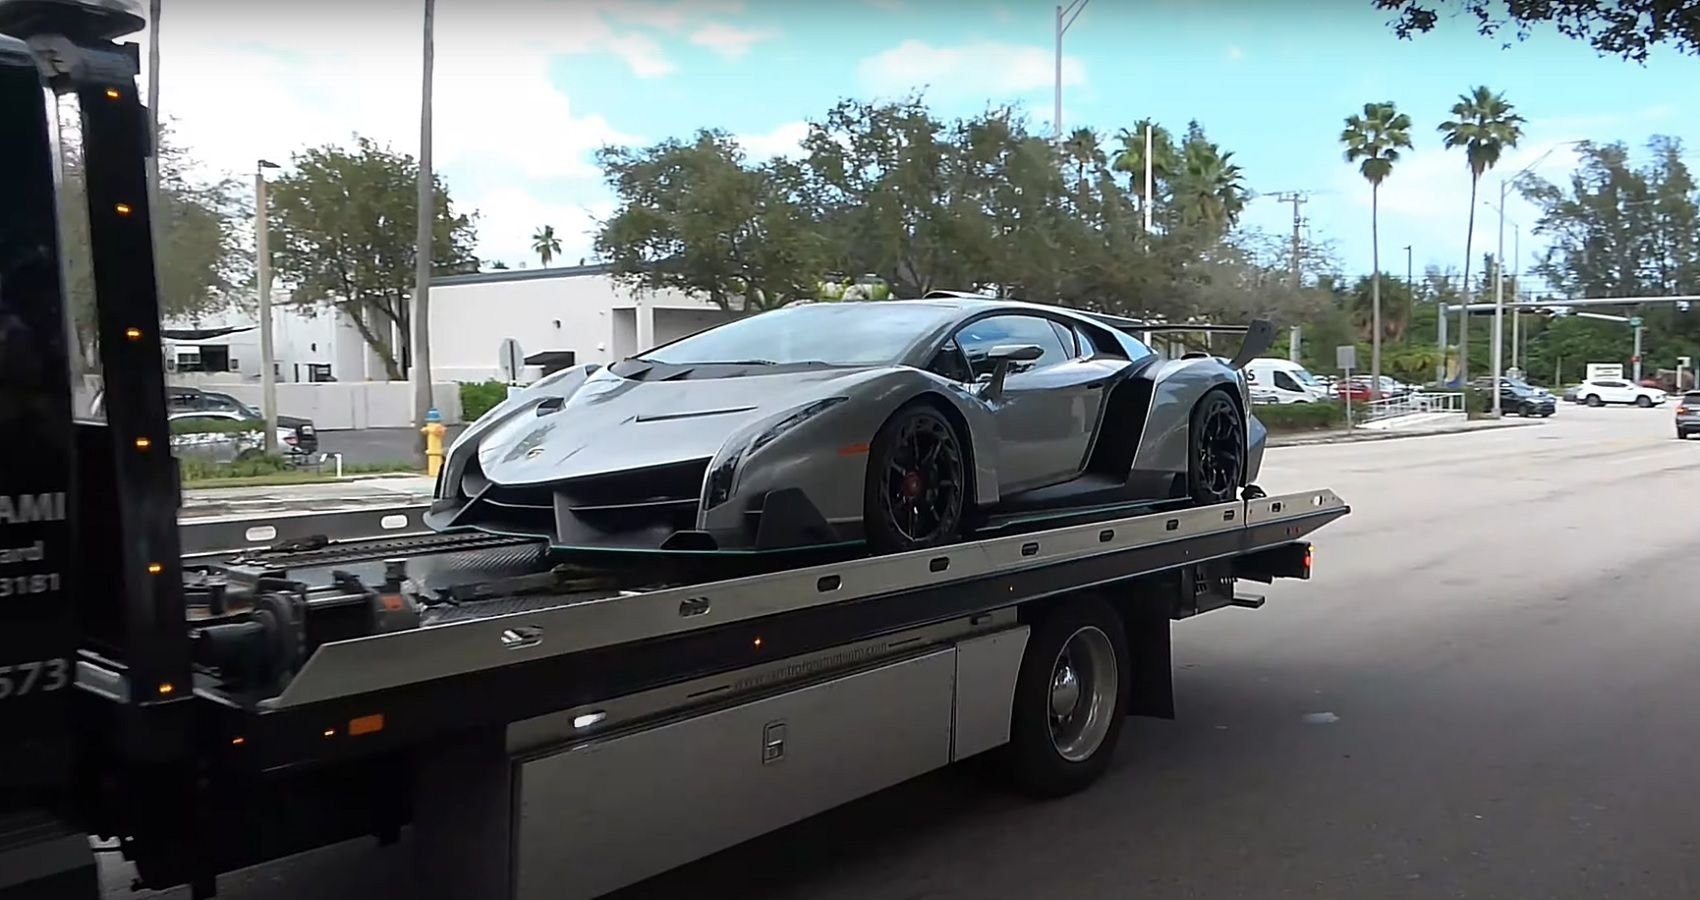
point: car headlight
(723, 478)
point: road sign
(1634, 321)
(1346, 357)
(511, 359)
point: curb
(1360, 436)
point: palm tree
(545, 244)
(1081, 148)
(1373, 140)
(1209, 187)
(1484, 125)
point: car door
(1048, 408)
(1613, 391)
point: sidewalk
(386, 490)
(1342, 436)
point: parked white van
(1285, 380)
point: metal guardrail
(1413, 404)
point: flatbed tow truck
(219, 693)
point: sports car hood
(612, 423)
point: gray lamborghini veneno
(901, 423)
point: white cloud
(785, 140)
(727, 40)
(513, 215)
(987, 67)
(242, 80)
(1235, 53)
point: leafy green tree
(545, 244)
(1620, 230)
(199, 225)
(342, 236)
(1625, 28)
(1483, 125)
(694, 217)
(1373, 140)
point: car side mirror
(1004, 357)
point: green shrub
(1289, 417)
(214, 426)
(479, 397)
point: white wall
(578, 309)
(299, 336)
(343, 405)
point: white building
(326, 370)
(577, 310)
(309, 344)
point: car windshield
(1304, 376)
(849, 334)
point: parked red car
(1354, 391)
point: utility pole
(263, 273)
(1297, 198)
(421, 369)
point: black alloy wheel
(1216, 451)
(916, 484)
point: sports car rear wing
(1259, 333)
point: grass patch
(258, 470)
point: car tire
(1644, 401)
(1216, 450)
(1071, 697)
(916, 486)
(1594, 400)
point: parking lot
(1486, 691)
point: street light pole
(1065, 18)
(263, 267)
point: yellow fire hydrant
(434, 430)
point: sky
(527, 90)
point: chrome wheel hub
(1083, 698)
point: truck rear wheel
(1071, 699)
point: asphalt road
(377, 445)
(1486, 691)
